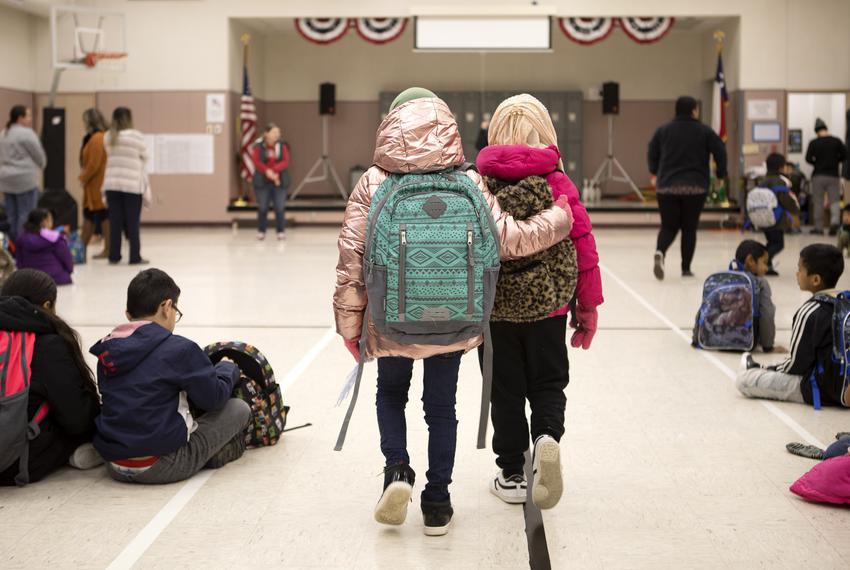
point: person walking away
(271, 179)
(788, 208)
(41, 247)
(825, 153)
(22, 160)
(92, 172)
(679, 156)
(62, 393)
(124, 184)
(419, 135)
(523, 168)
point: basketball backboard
(85, 37)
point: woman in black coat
(679, 157)
(59, 377)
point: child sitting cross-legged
(147, 376)
(809, 374)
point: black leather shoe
(398, 488)
(437, 517)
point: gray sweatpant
(214, 430)
(826, 186)
(770, 385)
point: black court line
(535, 533)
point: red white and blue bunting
(322, 30)
(646, 30)
(586, 31)
(380, 30)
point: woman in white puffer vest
(125, 184)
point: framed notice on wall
(795, 141)
(767, 132)
(762, 110)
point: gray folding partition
(565, 107)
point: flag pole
(241, 200)
(721, 193)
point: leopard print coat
(531, 288)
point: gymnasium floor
(666, 466)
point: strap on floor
(343, 431)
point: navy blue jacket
(145, 375)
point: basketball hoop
(93, 58)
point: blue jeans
(18, 208)
(266, 193)
(438, 399)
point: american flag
(248, 122)
(720, 100)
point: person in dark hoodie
(825, 153)
(62, 387)
(788, 208)
(679, 155)
(148, 377)
(41, 247)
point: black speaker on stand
(327, 108)
(53, 140)
(611, 107)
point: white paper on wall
(215, 108)
(181, 154)
(762, 109)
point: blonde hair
(523, 119)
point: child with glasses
(145, 374)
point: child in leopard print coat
(523, 168)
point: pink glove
(353, 347)
(584, 321)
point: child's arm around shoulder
(208, 387)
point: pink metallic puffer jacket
(515, 162)
(421, 136)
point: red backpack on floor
(16, 429)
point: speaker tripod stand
(325, 164)
(605, 172)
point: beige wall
(11, 97)
(16, 59)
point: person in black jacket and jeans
(826, 153)
(60, 378)
(679, 154)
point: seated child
(147, 377)
(752, 257)
(788, 207)
(799, 377)
(844, 231)
(41, 247)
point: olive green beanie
(410, 95)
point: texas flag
(719, 101)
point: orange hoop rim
(92, 58)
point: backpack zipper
(470, 271)
(402, 262)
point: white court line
(770, 406)
(142, 541)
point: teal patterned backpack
(431, 264)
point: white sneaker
(261, 236)
(548, 482)
(85, 457)
(658, 269)
(512, 490)
(281, 236)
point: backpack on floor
(431, 264)
(257, 387)
(840, 346)
(728, 316)
(16, 428)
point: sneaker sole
(507, 498)
(548, 483)
(392, 507)
(659, 268)
(437, 530)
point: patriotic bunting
(322, 30)
(586, 31)
(646, 30)
(380, 30)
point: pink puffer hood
(515, 162)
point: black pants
(680, 212)
(48, 452)
(125, 214)
(529, 363)
(775, 243)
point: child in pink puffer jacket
(530, 358)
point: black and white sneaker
(658, 269)
(437, 517)
(512, 489)
(747, 362)
(398, 487)
(548, 481)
